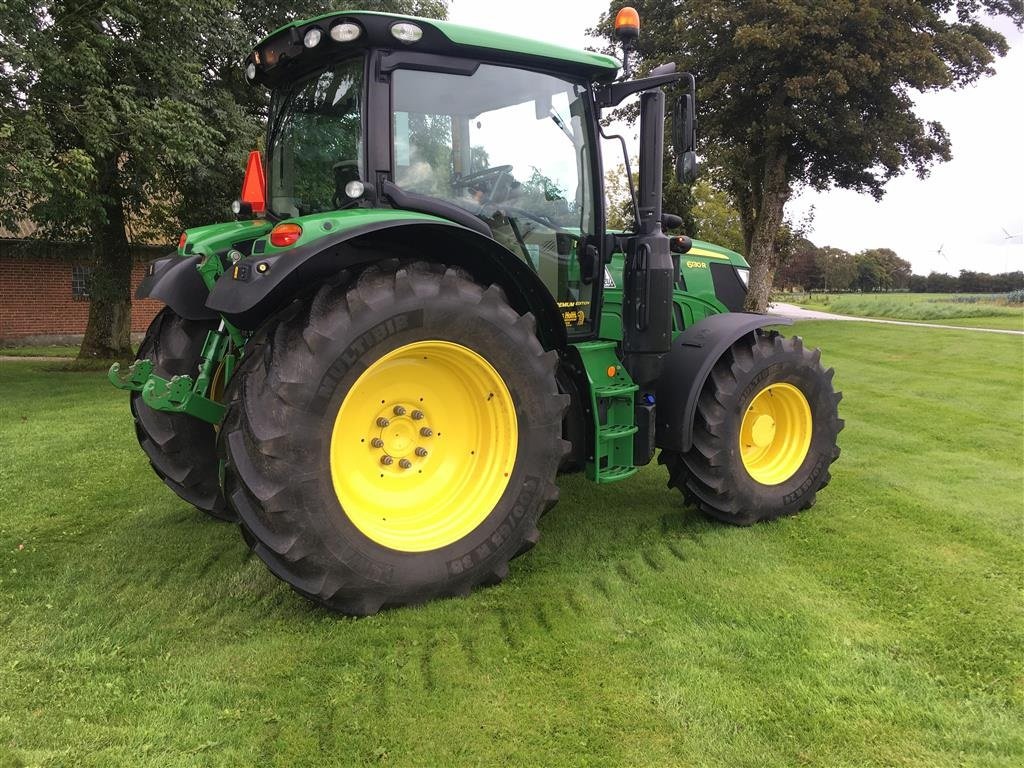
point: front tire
(764, 434)
(395, 440)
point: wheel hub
(775, 433)
(403, 436)
(763, 431)
(423, 446)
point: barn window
(80, 277)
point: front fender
(687, 366)
(263, 283)
(176, 282)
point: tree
(815, 92)
(124, 119)
(803, 269)
(940, 282)
(880, 269)
(838, 269)
(714, 217)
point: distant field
(881, 628)
(951, 309)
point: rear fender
(687, 366)
(176, 282)
(265, 283)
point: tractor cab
(493, 132)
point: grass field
(883, 627)
(52, 350)
(943, 308)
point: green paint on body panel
(319, 225)
(214, 238)
(695, 301)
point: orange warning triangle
(254, 185)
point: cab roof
(281, 56)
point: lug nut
(421, 452)
(417, 415)
(399, 410)
(387, 461)
(377, 442)
(382, 422)
(405, 464)
(426, 431)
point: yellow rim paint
(423, 446)
(775, 434)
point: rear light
(284, 235)
(182, 240)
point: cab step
(612, 393)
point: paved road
(799, 313)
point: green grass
(883, 627)
(53, 350)
(945, 309)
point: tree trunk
(108, 332)
(761, 223)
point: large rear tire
(181, 448)
(395, 440)
(764, 434)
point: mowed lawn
(972, 310)
(883, 627)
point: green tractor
(419, 317)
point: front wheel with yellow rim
(764, 435)
(394, 440)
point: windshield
(315, 145)
(510, 146)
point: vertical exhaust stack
(649, 270)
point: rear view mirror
(684, 134)
(687, 167)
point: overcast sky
(971, 208)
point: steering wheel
(493, 174)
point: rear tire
(764, 434)
(181, 448)
(301, 422)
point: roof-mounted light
(406, 32)
(345, 32)
(627, 23)
(312, 37)
(250, 71)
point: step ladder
(612, 393)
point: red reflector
(181, 241)
(284, 235)
(254, 185)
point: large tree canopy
(815, 92)
(124, 120)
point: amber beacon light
(627, 24)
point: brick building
(44, 289)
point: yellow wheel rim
(423, 446)
(775, 434)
